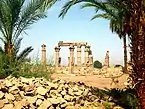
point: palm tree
(131, 23)
(16, 16)
(116, 19)
(110, 13)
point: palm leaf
(48, 4)
(17, 45)
(103, 15)
(67, 6)
(23, 55)
(1, 50)
(29, 15)
(2, 39)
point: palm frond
(29, 15)
(48, 4)
(67, 6)
(103, 15)
(1, 50)
(23, 55)
(2, 39)
(17, 45)
(9, 15)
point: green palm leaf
(23, 55)
(1, 50)
(17, 45)
(48, 4)
(16, 16)
(104, 15)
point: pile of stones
(38, 93)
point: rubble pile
(38, 93)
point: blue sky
(76, 26)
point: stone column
(71, 59)
(43, 57)
(57, 50)
(86, 61)
(106, 63)
(68, 61)
(90, 60)
(79, 62)
(59, 61)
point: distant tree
(97, 64)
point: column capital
(57, 49)
(71, 48)
(43, 47)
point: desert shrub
(35, 69)
(97, 64)
(126, 98)
(8, 66)
(29, 71)
(108, 105)
(24, 68)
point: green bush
(97, 64)
(126, 98)
(31, 70)
(24, 69)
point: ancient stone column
(106, 62)
(68, 61)
(57, 50)
(79, 62)
(43, 57)
(59, 61)
(71, 59)
(90, 60)
(86, 61)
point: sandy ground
(93, 80)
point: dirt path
(93, 80)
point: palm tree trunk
(125, 54)
(141, 95)
(138, 51)
(138, 48)
(139, 68)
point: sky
(75, 27)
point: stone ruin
(71, 68)
(85, 68)
(88, 58)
